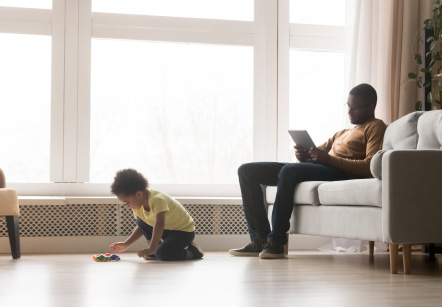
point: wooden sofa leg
(371, 247)
(14, 236)
(407, 258)
(394, 250)
(286, 246)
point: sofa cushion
(355, 192)
(429, 128)
(306, 193)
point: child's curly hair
(128, 182)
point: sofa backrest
(402, 133)
(429, 128)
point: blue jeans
(174, 242)
(285, 176)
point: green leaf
(428, 23)
(418, 106)
(425, 70)
(418, 58)
(436, 56)
(429, 97)
(430, 39)
(433, 43)
(427, 83)
(412, 75)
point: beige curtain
(381, 42)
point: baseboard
(95, 245)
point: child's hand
(118, 247)
(144, 253)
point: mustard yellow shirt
(176, 217)
(351, 150)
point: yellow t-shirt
(176, 218)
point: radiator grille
(116, 220)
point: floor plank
(307, 278)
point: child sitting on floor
(161, 219)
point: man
(344, 156)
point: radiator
(113, 219)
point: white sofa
(402, 204)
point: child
(159, 217)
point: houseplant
(429, 75)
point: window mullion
(70, 113)
(283, 80)
(57, 91)
(84, 89)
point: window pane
(317, 100)
(209, 9)
(34, 4)
(321, 12)
(25, 100)
(179, 113)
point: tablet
(302, 138)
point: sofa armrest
(412, 196)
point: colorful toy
(105, 258)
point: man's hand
(319, 156)
(301, 153)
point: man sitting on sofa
(346, 155)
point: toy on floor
(105, 258)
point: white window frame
(72, 25)
(299, 37)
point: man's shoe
(196, 250)
(272, 250)
(252, 249)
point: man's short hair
(128, 182)
(366, 92)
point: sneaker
(252, 249)
(272, 250)
(196, 250)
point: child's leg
(146, 229)
(174, 245)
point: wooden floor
(303, 279)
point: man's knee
(290, 171)
(245, 169)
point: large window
(180, 113)
(88, 87)
(25, 96)
(183, 90)
(316, 70)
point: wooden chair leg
(407, 258)
(394, 250)
(371, 247)
(14, 235)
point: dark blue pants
(285, 176)
(174, 242)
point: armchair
(9, 208)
